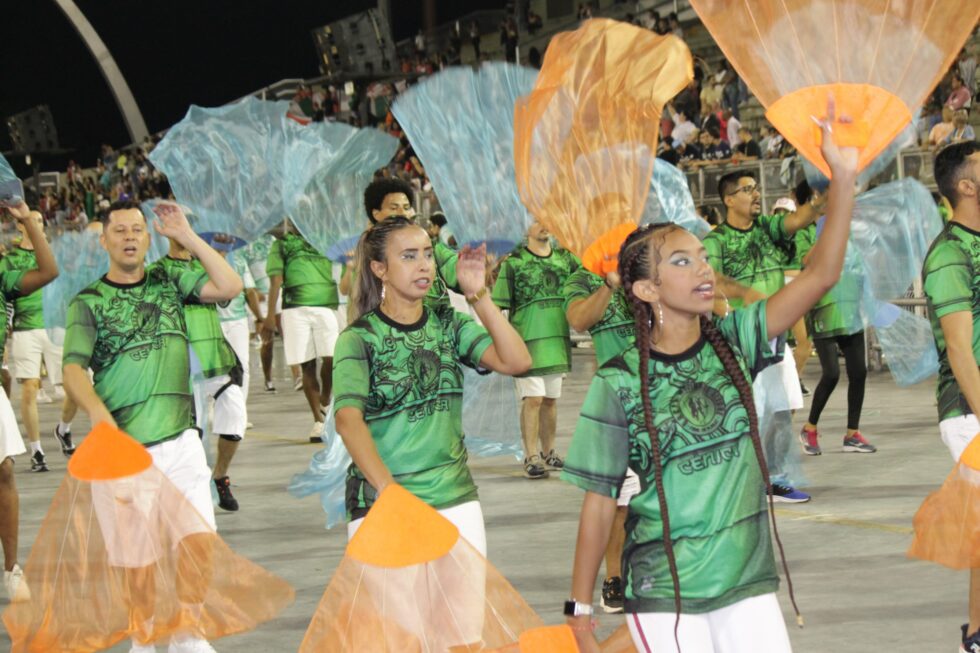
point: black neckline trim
(741, 231)
(415, 326)
(688, 353)
(954, 223)
(116, 284)
(528, 249)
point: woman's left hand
(471, 269)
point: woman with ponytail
(397, 375)
(698, 566)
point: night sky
(172, 53)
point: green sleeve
(599, 453)
(351, 372)
(745, 329)
(472, 339)
(445, 258)
(712, 243)
(274, 264)
(80, 334)
(947, 280)
(503, 289)
(190, 280)
(580, 285)
(775, 227)
(10, 282)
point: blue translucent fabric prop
(909, 348)
(81, 261)
(6, 172)
(461, 124)
(495, 246)
(326, 475)
(490, 415)
(325, 171)
(222, 242)
(159, 245)
(339, 251)
(671, 201)
(226, 163)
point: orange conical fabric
(585, 138)
(127, 556)
(602, 256)
(947, 525)
(415, 595)
(879, 58)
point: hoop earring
(383, 287)
(660, 317)
(728, 307)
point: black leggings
(857, 371)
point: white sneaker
(249, 425)
(142, 648)
(298, 384)
(185, 644)
(43, 397)
(17, 589)
(316, 433)
(59, 392)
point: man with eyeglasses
(749, 252)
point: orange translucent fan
(585, 139)
(122, 554)
(409, 583)
(561, 639)
(602, 256)
(879, 58)
(947, 525)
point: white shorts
(308, 333)
(11, 442)
(236, 333)
(777, 387)
(540, 386)
(128, 510)
(467, 517)
(629, 489)
(229, 408)
(958, 432)
(27, 348)
(753, 625)
(341, 317)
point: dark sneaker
(226, 500)
(970, 644)
(552, 460)
(37, 462)
(857, 444)
(805, 390)
(533, 468)
(782, 493)
(810, 441)
(612, 595)
(269, 387)
(64, 439)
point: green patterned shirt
(307, 275)
(407, 382)
(134, 338)
(755, 257)
(803, 242)
(530, 287)
(615, 331)
(951, 280)
(28, 309)
(711, 477)
(445, 258)
(10, 281)
(213, 352)
(257, 254)
(237, 308)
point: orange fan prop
(585, 139)
(880, 59)
(946, 525)
(122, 554)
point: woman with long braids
(397, 376)
(698, 564)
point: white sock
(36, 446)
(64, 427)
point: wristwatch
(472, 299)
(575, 609)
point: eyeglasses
(748, 189)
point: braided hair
(635, 264)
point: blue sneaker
(782, 493)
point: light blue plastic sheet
(6, 172)
(909, 348)
(81, 261)
(461, 125)
(326, 168)
(490, 415)
(671, 201)
(326, 475)
(226, 163)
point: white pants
(467, 517)
(958, 432)
(11, 442)
(753, 625)
(629, 489)
(308, 333)
(236, 333)
(28, 348)
(230, 416)
(128, 509)
(548, 386)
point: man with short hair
(749, 252)
(15, 282)
(951, 281)
(129, 328)
(747, 149)
(30, 344)
(529, 286)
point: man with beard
(749, 252)
(529, 286)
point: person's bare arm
(806, 214)
(594, 525)
(582, 314)
(47, 267)
(357, 438)
(958, 332)
(80, 390)
(269, 324)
